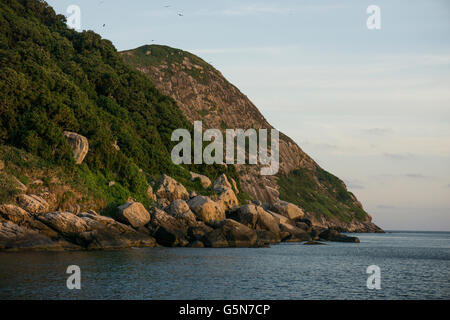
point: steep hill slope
(204, 94)
(53, 79)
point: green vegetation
(54, 79)
(153, 55)
(320, 193)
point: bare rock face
(221, 184)
(206, 210)
(79, 144)
(204, 180)
(33, 203)
(288, 210)
(134, 214)
(171, 189)
(180, 210)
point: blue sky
(371, 106)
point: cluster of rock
(180, 219)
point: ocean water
(414, 265)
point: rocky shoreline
(178, 219)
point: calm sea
(414, 265)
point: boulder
(235, 234)
(180, 210)
(167, 230)
(206, 210)
(196, 244)
(15, 237)
(162, 203)
(334, 235)
(134, 214)
(221, 184)
(265, 236)
(295, 234)
(33, 203)
(66, 224)
(215, 239)
(106, 233)
(204, 180)
(280, 218)
(22, 218)
(79, 145)
(288, 210)
(255, 217)
(227, 200)
(171, 189)
(198, 231)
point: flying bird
(180, 14)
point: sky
(372, 106)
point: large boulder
(33, 203)
(167, 230)
(206, 210)
(204, 180)
(295, 234)
(334, 235)
(79, 144)
(227, 200)
(235, 234)
(106, 233)
(221, 184)
(198, 231)
(15, 237)
(215, 239)
(68, 225)
(22, 218)
(281, 219)
(134, 214)
(255, 217)
(288, 210)
(171, 189)
(180, 210)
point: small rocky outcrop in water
(79, 144)
(333, 235)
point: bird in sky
(180, 14)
